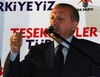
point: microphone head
(51, 29)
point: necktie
(59, 60)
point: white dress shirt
(65, 49)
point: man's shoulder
(84, 42)
(88, 41)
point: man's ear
(75, 24)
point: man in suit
(80, 59)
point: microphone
(51, 29)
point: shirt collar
(63, 43)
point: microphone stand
(58, 36)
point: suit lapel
(69, 59)
(70, 56)
(49, 55)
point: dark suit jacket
(39, 62)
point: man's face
(60, 17)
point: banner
(31, 18)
